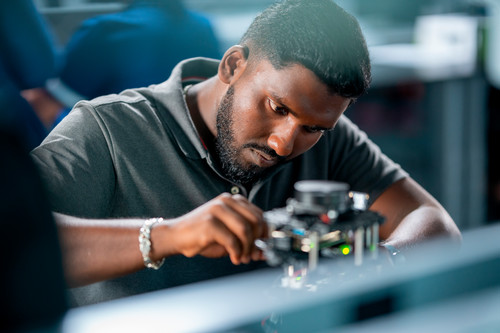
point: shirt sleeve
(355, 159)
(76, 166)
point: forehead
(297, 87)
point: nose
(282, 140)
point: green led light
(345, 249)
(298, 278)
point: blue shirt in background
(133, 48)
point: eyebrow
(283, 105)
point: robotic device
(323, 219)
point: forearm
(412, 216)
(423, 223)
(96, 250)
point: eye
(277, 109)
(313, 130)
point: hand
(227, 224)
(46, 107)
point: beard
(229, 155)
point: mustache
(266, 150)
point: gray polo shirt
(138, 154)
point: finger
(224, 237)
(214, 251)
(260, 227)
(201, 232)
(246, 208)
(256, 254)
(252, 213)
(225, 211)
(239, 227)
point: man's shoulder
(344, 140)
(126, 98)
(343, 127)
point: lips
(263, 160)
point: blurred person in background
(133, 48)
(27, 60)
(32, 282)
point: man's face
(270, 116)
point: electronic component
(323, 219)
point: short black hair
(317, 34)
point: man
(267, 115)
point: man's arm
(412, 216)
(96, 250)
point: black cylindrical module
(327, 194)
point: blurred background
(434, 101)
(434, 107)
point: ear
(233, 64)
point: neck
(202, 104)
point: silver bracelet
(145, 243)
